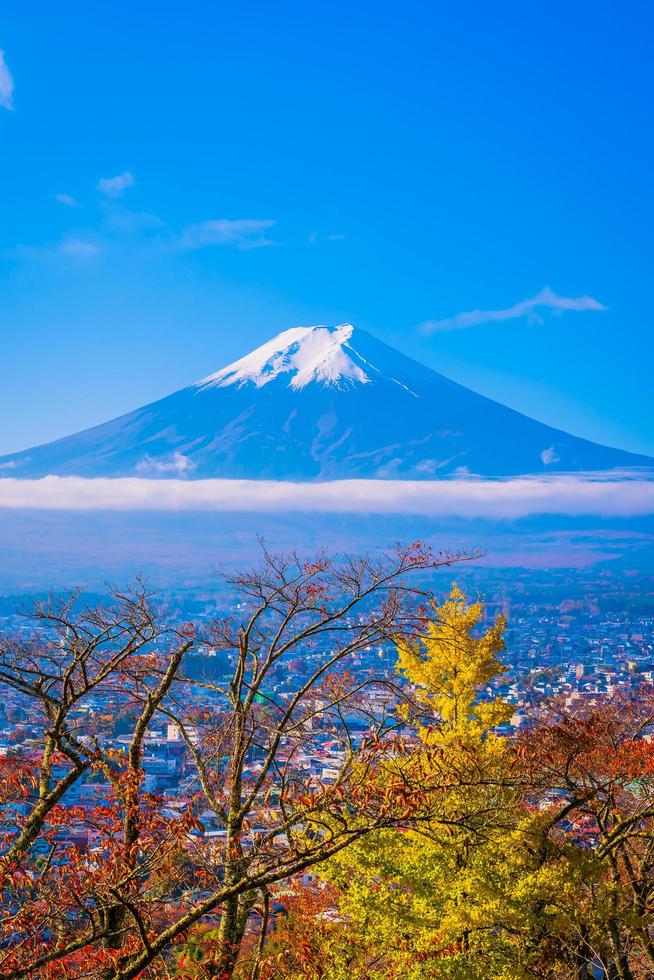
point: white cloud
(6, 84)
(179, 464)
(604, 495)
(314, 237)
(244, 233)
(77, 248)
(123, 221)
(67, 199)
(550, 456)
(115, 186)
(546, 299)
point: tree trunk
(621, 958)
(233, 923)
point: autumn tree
(414, 901)
(528, 856)
(589, 892)
(153, 879)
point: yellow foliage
(450, 663)
(427, 896)
(479, 884)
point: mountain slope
(320, 403)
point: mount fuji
(321, 403)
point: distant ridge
(321, 403)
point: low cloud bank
(600, 496)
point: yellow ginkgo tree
(427, 900)
(449, 665)
(520, 856)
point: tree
(520, 857)
(152, 875)
(415, 901)
(593, 771)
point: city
(570, 635)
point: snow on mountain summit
(308, 354)
(320, 403)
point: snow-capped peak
(309, 354)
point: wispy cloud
(6, 84)
(507, 500)
(244, 233)
(115, 186)
(549, 456)
(315, 237)
(546, 299)
(71, 248)
(67, 200)
(123, 221)
(178, 464)
(78, 248)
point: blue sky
(181, 181)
